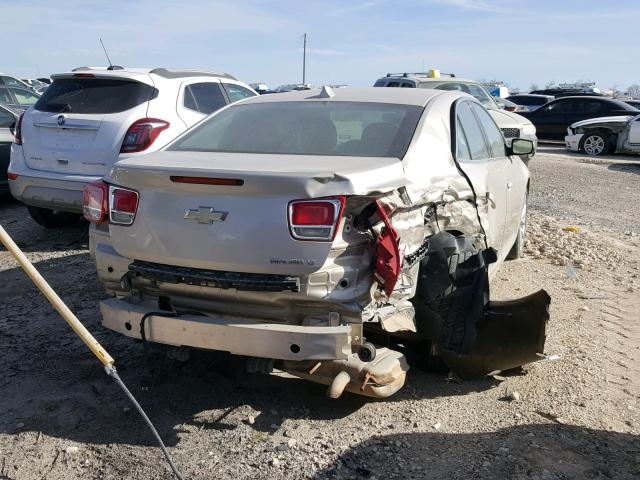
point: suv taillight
(94, 202)
(141, 134)
(123, 205)
(315, 219)
(17, 134)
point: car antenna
(111, 66)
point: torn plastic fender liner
(511, 333)
(388, 255)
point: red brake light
(141, 134)
(84, 75)
(94, 202)
(123, 205)
(12, 176)
(315, 219)
(17, 135)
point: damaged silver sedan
(326, 233)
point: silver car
(325, 233)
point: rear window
(94, 95)
(307, 128)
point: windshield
(472, 89)
(306, 128)
(93, 95)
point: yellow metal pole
(55, 300)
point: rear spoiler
(113, 74)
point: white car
(310, 229)
(90, 117)
(600, 136)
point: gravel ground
(574, 416)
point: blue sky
(518, 41)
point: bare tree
(533, 86)
(634, 90)
(550, 84)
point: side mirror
(520, 146)
(12, 129)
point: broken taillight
(142, 133)
(123, 205)
(315, 219)
(94, 202)
(389, 258)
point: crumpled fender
(511, 333)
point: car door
(7, 122)
(24, 98)
(550, 120)
(198, 98)
(516, 172)
(487, 173)
(634, 134)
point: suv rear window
(307, 128)
(94, 95)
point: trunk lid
(250, 233)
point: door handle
(509, 185)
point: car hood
(506, 119)
(593, 121)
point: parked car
(529, 101)
(17, 97)
(8, 119)
(633, 103)
(32, 83)
(304, 225)
(551, 120)
(509, 106)
(46, 80)
(10, 81)
(600, 136)
(511, 124)
(90, 117)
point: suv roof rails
(168, 73)
(429, 74)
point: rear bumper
(57, 191)
(573, 142)
(236, 336)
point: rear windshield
(93, 95)
(307, 128)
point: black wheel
(517, 250)
(596, 143)
(52, 218)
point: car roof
(592, 97)
(536, 95)
(419, 78)
(168, 73)
(402, 96)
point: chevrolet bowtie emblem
(206, 215)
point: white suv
(91, 117)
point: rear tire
(596, 144)
(517, 250)
(52, 218)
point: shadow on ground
(626, 167)
(548, 451)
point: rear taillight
(141, 134)
(17, 134)
(94, 202)
(12, 176)
(315, 219)
(123, 205)
(510, 109)
(389, 258)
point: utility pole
(304, 59)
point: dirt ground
(575, 415)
